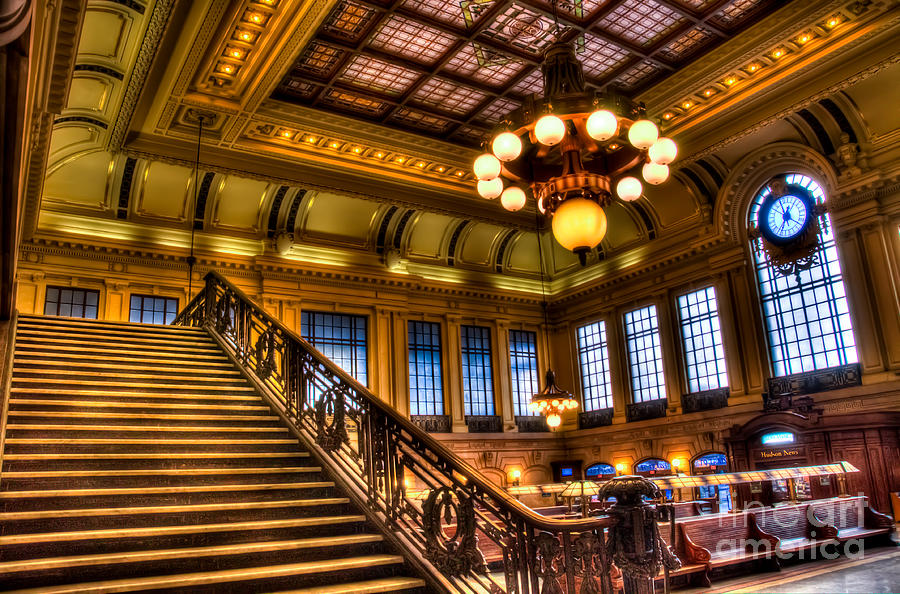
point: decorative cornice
(159, 21)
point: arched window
(806, 314)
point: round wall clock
(785, 217)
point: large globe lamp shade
(579, 225)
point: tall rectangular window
(645, 354)
(478, 385)
(702, 338)
(426, 393)
(524, 370)
(147, 309)
(71, 303)
(594, 358)
(340, 337)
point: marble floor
(877, 572)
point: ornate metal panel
(595, 418)
(642, 411)
(432, 423)
(822, 380)
(706, 400)
(484, 424)
(532, 424)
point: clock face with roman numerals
(784, 218)
(787, 217)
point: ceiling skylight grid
(642, 21)
(378, 75)
(522, 28)
(412, 40)
(349, 20)
(484, 65)
(499, 107)
(320, 59)
(734, 13)
(688, 43)
(600, 56)
(354, 102)
(448, 96)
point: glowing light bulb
(513, 198)
(549, 130)
(507, 146)
(602, 125)
(654, 173)
(490, 188)
(554, 420)
(629, 189)
(486, 167)
(663, 151)
(578, 224)
(642, 134)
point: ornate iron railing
(467, 533)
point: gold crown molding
(806, 102)
(745, 49)
(874, 188)
(211, 17)
(159, 21)
(260, 268)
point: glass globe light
(578, 224)
(490, 188)
(486, 167)
(629, 189)
(655, 173)
(541, 206)
(663, 151)
(554, 420)
(513, 198)
(602, 125)
(550, 130)
(507, 146)
(642, 134)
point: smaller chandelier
(574, 149)
(552, 401)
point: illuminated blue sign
(565, 472)
(599, 470)
(653, 465)
(777, 438)
(710, 460)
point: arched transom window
(806, 315)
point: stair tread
(222, 576)
(101, 441)
(155, 531)
(167, 509)
(160, 472)
(392, 584)
(144, 428)
(66, 414)
(160, 385)
(162, 490)
(34, 335)
(70, 392)
(117, 404)
(155, 376)
(150, 455)
(113, 362)
(11, 567)
(32, 320)
(86, 345)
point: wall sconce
(621, 467)
(677, 465)
(514, 475)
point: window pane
(426, 395)
(806, 315)
(524, 370)
(594, 358)
(333, 335)
(147, 309)
(76, 303)
(478, 386)
(645, 354)
(703, 351)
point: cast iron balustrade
(467, 533)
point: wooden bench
(850, 518)
(689, 509)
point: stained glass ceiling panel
(412, 40)
(451, 69)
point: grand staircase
(137, 458)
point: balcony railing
(465, 532)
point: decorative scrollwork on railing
(330, 414)
(265, 354)
(459, 554)
(415, 486)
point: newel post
(635, 544)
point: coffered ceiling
(352, 124)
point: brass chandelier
(569, 148)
